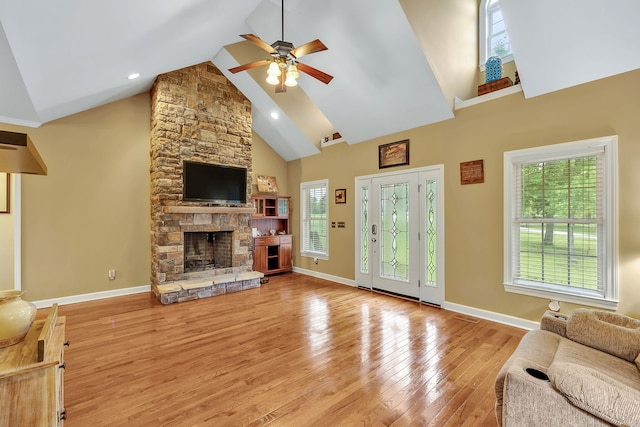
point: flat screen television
(215, 184)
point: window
(315, 223)
(494, 40)
(560, 214)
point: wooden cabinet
(272, 247)
(32, 376)
(284, 253)
(283, 206)
(272, 254)
(259, 256)
(271, 206)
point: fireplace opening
(207, 250)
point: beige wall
(473, 213)
(267, 162)
(91, 212)
(448, 34)
(7, 242)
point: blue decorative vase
(493, 69)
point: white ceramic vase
(16, 317)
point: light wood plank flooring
(299, 351)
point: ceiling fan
(284, 67)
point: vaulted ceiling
(392, 60)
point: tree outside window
(314, 219)
(494, 39)
(560, 212)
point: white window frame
(608, 243)
(485, 35)
(305, 187)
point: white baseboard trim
(458, 308)
(92, 296)
(492, 316)
(328, 277)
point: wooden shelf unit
(271, 253)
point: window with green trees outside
(560, 216)
(314, 211)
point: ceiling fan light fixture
(293, 70)
(274, 69)
(283, 67)
(273, 72)
(290, 82)
(292, 75)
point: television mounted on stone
(214, 184)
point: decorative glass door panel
(430, 233)
(388, 250)
(432, 238)
(364, 229)
(399, 223)
(283, 206)
(394, 230)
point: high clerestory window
(560, 216)
(494, 40)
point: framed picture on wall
(393, 154)
(341, 195)
(267, 184)
(5, 192)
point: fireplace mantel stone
(208, 209)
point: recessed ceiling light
(275, 115)
(133, 76)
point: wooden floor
(299, 351)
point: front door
(399, 226)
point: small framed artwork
(267, 184)
(5, 192)
(341, 195)
(472, 172)
(393, 154)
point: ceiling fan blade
(307, 48)
(248, 66)
(258, 42)
(280, 87)
(315, 73)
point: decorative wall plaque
(472, 172)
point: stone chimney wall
(196, 115)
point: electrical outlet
(112, 274)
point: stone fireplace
(198, 115)
(207, 250)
